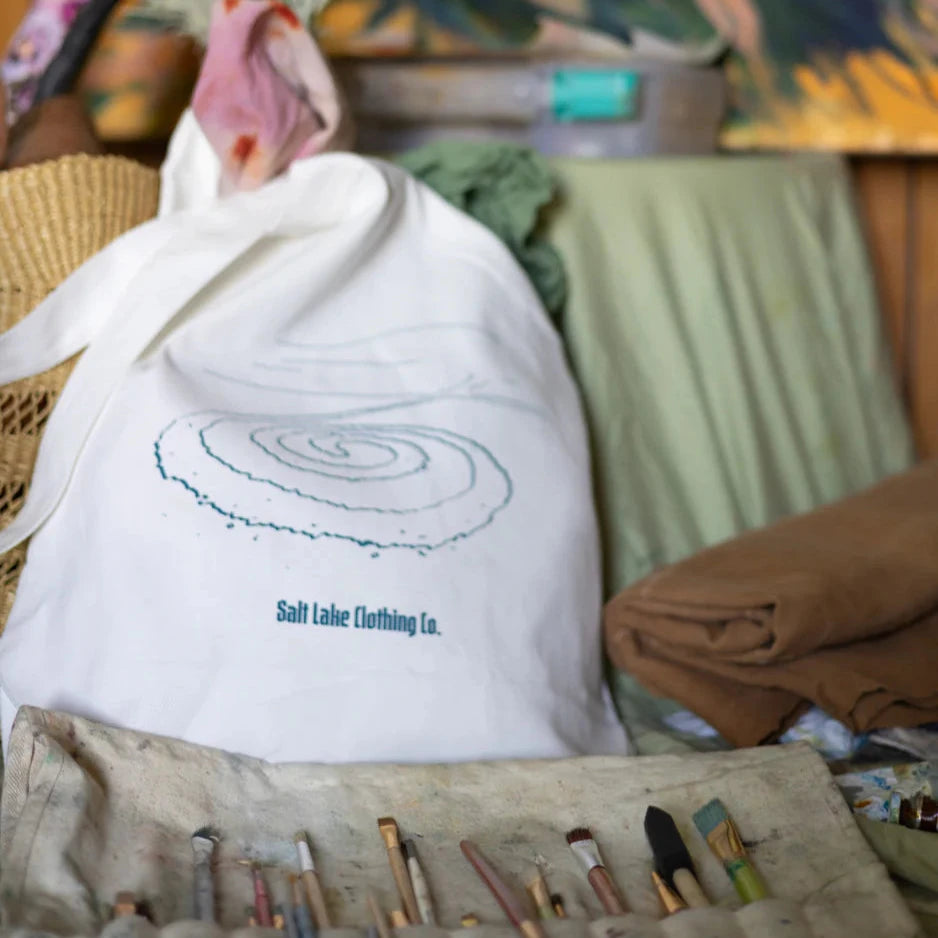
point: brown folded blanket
(838, 607)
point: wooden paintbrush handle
(690, 890)
(404, 886)
(606, 890)
(317, 901)
(421, 893)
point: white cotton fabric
(318, 489)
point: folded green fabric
(913, 855)
(723, 327)
(503, 186)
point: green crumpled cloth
(913, 857)
(504, 186)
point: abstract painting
(448, 27)
(850, 75)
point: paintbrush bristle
(709, 816)
(206, 833)
(300, 836)
(667, 845)
(390, 832)
(585, 847)
(578, 834)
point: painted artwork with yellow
(852, 75)
(849, 75)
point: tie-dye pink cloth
(265, 96)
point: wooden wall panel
(884, 190)
(898, 201)
(923, 341)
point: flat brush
(582, 843)
(203, 849)
(392, 840)
(311, 884)
(512, 906)
(718, 829)
(672, 858)
(419, 882)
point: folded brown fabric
(838, 607)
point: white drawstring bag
(318, 489)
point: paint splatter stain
(243, 147)
(230, 5)
(281, 9)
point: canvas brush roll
(317, 489)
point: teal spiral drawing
(366, 474)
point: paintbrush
(392, 840)
(672, 858)
(718, 829)
(556, 900)
(671, 901)
(419, 882)
(203, 847)
(304, 921)
(313, 887)
(261, 897)
(515, 909)
(285, 913)
(381, 923)
(540, 895)
(250, 913)
(582, 843)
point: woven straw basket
(53, 217)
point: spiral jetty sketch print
(364, 473)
